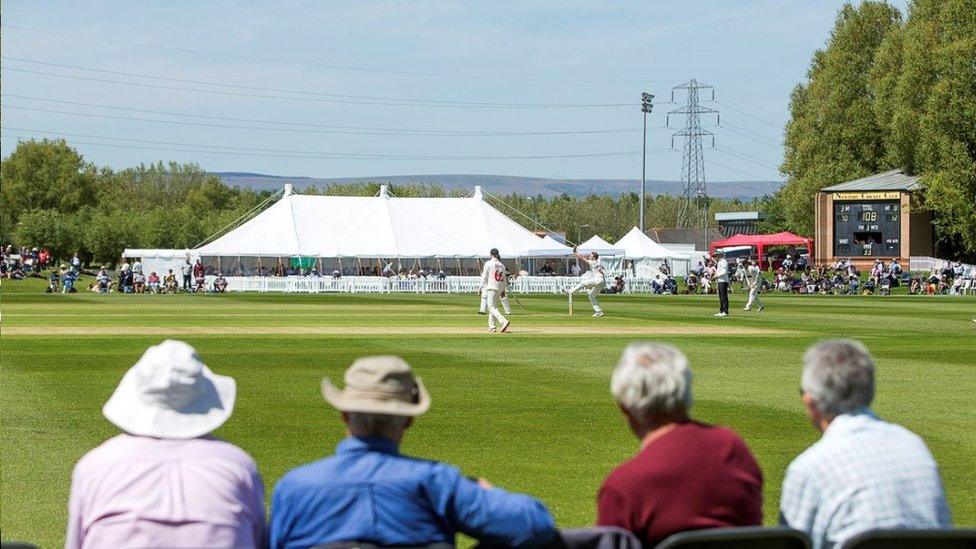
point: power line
(390, 132)
(747, 136)
(200, 147)
(379, 99)
(743, 172)
(740, 111)
(338, 67)
(312, 99)
(772, 141)
(747, 157)
(760, 108)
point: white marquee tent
(384, 226)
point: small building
(731, 223)
(874, 217)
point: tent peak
(289, 190)
(477, 193)
(384, 191)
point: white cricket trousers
(593, 290)
(754, 297)
(494, 315)
(484, 303)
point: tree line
(889, 92)
(51, 197)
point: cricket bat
(570, 304)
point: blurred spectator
(68, 278)
(103, 281)
(138, 280)
(369, 492)
(864, 473)
(220, 283)
(169, 282)
(687, 475)
(166, 481)
(53, 283)
(186, 269)
(153, 282)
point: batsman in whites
(494, 283)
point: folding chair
(747, 537)
(949, 538)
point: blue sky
(326, 89)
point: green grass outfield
(529, 410)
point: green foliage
(890, 94)
(41, 175)
(833, 134)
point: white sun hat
(170, 393)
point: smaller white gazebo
(611, 256)
(600, 246)
(647, 255)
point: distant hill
(505, 184)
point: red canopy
(760, 241)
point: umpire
(722, 280)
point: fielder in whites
(754, 279)
(502, 297)
(493, 283)
(594, 281)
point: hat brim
(342, 401)
(133, 415)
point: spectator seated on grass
(687, 475)
(617, 287)
(166, 481)
(170, 283)
(68, 278)
(692, 282)
(103, 281)
(220, 283)
(53, 283)
(369, 492)
(200, 283)
(153, 283)
(864, 473)
(138, 281)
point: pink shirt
(137, 491)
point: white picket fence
(378, 284)
(921, 263)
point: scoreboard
(867, 227)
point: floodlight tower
(647, 105)
(693, 211)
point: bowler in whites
(594, 282)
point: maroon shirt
(692, 477)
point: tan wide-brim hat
(170, 393)
(379, 385)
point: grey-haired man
(864, 473)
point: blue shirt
(863, 474)
(369, 492)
